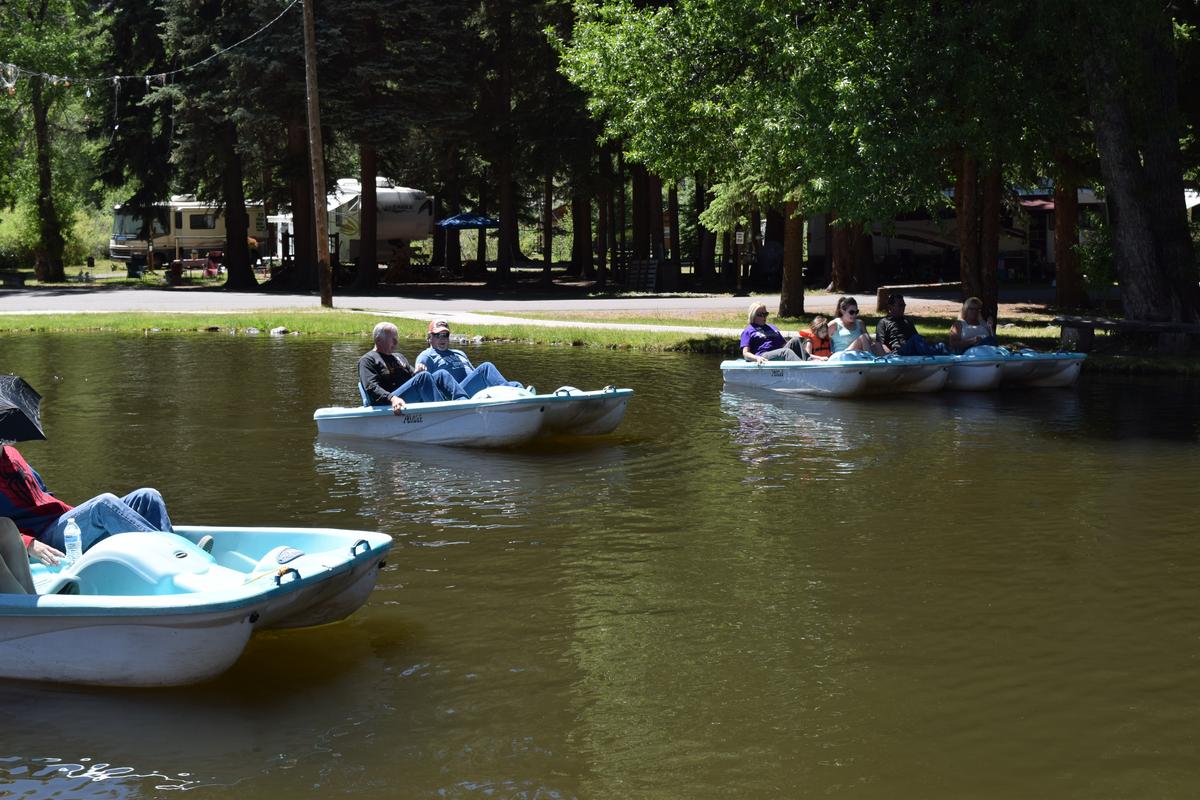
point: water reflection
(737, 593)
(286, 702)
(462, 488)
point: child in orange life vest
(816, 339)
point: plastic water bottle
(72, 542)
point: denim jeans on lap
(106, 514)
(482, 377)
(430, 387)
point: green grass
(319, 322)
(344, 323)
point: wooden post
(316, 152)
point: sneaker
(205, 543)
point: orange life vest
(820, 347)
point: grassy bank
(345, 323)
(1031, 332)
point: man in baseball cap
(387, 379)
(438, 357)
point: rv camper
(180, 228)
(402, 215)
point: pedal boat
(168, 609)
(500, 416)
(574, 412)
(986, 367)
(848, 376)
(822, 378)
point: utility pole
(316, 154)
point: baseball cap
(439, 326)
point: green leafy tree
(44, 38)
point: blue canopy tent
(464, 221)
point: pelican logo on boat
(776, 373)
(412, 419)
(288, 554)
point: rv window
(178, 220)
(205, 222)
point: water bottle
(72, 542)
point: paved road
(464, 310)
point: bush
(1096, 253)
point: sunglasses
(851, 311)
(760, 314)
(443, 335)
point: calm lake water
(734, 595)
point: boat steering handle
(280, 575)
(354, 547)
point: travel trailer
(402, 215)
(183, 228)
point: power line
(10, 72)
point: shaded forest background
(664, 127)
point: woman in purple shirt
(762, 342)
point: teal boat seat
(362, 393)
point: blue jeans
(430, 387)
(482, 377)
(106, 514)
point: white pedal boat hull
(498, 417)
(469, 423)
(154, 609)
(573, 412)
(823, 378)
(976, 369)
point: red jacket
(24, 498)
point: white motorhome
(183, 228)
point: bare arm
(746, 354)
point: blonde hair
(971, 302)
(817, 323)
(753, 308)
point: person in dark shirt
(900, 335)
(388, 379)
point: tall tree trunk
(1143, 176)
(603, 216)
(304, 271)
(842, 237)
(728, 263)
(702, 262)
(622, 221)
(451, 205)
(581, 244)
(239, 273)
(51, 242)
(1068, 282)
(966, 212)
(504, 161)
(673, 266)
(481, 237)
(989, 241)
(655, 220)
(640, 246)
(791, 294)
(368, 228)
(547, 225)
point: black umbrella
(20, 420)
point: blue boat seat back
(149, 563)
(362, 393)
